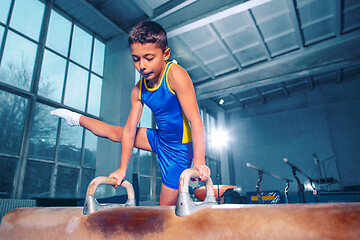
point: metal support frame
(287, 191)
(258, 187)
(300, 186)
(218, 181)
(261, 172)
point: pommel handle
(184, 204)
(193, 173)
(109, 181)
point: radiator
(6, 205)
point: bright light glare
(219, 138)
(308, 187)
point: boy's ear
(167, 54)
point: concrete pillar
(223, 151)
(119, 80)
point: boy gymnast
(167, 90)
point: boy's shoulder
(176, 66)
(135, 92)
(178, 77)
(175, 69)
(136, 88)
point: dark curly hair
(149, 32)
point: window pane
(1, 33)
(145, 163)
(86, 177)
(94, 95)
(59, 33)
(211, 128)
(37, 179)
(7, 174)
(214, 171)
(158, 189)
(27, 17)
(134, 157)
(70, 144)
(66, 182)
(137, 76)
(76, 87)
(52, 76)
(90, 149)
(145, 183)
(12, 121)
(4, 10)
(98, 57)
(43, 133)
(146, 117)
(18, 61)
(81, 47)
(157, 168)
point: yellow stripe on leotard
(186, 130)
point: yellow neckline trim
(154, 89)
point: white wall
(325, 121)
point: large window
(40, 155)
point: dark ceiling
(243, 52)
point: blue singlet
(171, 141)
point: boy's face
(149, 60)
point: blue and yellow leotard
(171, 141)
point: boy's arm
(97, 127)
(181, 83)
(128, 135)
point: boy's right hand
(119, 175)
(72, 118)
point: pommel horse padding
(228, 221)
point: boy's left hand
(204, 171)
